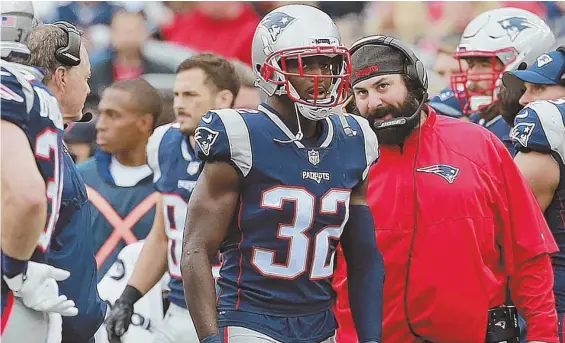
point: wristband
(131, 295)
(211, 339)
(12, 266)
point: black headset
(413, 67)
(69, 55)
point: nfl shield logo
(193, 168)
(313, 157)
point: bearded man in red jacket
(455, 221)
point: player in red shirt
(455, 222)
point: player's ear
(60, 78)
(224, 99)
(145, 122)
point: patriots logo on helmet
(522, 132)
(276, 22)
(448, 172)
(205, 138)
(514, 26)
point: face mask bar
(274, 70)
(488, 92)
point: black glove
(119, 319)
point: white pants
(176, 327)
(238, 334)
(25, 325)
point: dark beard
(509, 102)
(396, 135)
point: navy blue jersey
(294, 203)
(499, 127)
(540, 127)
(175, 171)
(27, 103)
(72, 249)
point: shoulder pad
(153, 145)
(223, 135)
(17, 96)
(539, 126)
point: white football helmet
(512, 36)
(295, 32)
(17, 21)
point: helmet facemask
(290, 63)
(486, 94)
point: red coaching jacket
(448, 254)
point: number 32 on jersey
(300, 245)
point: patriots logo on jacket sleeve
(448, 172)
(276, 22)
(522, 132)
(514, 25)
(205, 138)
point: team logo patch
(447, 172)
(313, 157)
(543, 60)
(205, 138)
(514, 26)
(522, 132)
(276, 23)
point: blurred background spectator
(123, 59)
(224, 28)
(444, 63)
(249, 95)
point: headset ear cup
(69, 55)
(422, 74)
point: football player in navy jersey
(539, 137)
(496, 41)
(32, 180)
(280, 187)
(203, 82)
(58, 50)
